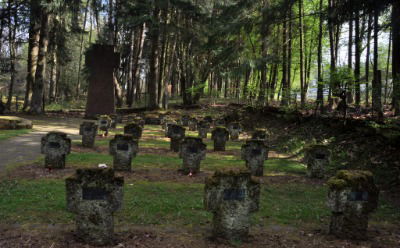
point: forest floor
(163, 208)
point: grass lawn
(6, 134)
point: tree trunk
(53, 77)
(301, 50)
(395, 56)
(284, 83)
(358, 44)
(377, 82)
(367, 58)
(320, 90)
(152, 78)
(33, 51)
(12, 30)
(40, 76)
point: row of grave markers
(95, 194)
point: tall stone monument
(101, 60)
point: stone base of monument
(219, 147)
(88, 141)
(175, 144)
(203, 133)
(349, 226)
(54, 162)
(122, 163)
(13, 122)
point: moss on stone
(352, 179)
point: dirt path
(26, 148)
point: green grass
(6, 134)
(43, 201)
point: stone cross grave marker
(123, 148)
(88, 130)
(220, 136)
(184, 121)
(192, 151)
(254, 152)
(176, 133)
(317, 159)
(104, 123)
(93, 195)
(234, 129)
(55, 146)
(352, 196)
(192, 123)
(231, 196)
(133, 129)
(203, 128)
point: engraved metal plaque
(91, 194)
(54, 145)
(122, 147)
(88, 129)
(192, 149)
(234, 194)
(256, 152)
(358, 196)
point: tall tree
(320, 90)
(37, 103)
(396, 56)
(377, 82)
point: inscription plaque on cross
(101, 60)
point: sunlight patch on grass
(7, 134)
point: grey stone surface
(352, 196)
(184, 121)
(133, 129)
(220, 136)
(123, 148)
(93, 195)
(317, 159)
(192, 123)
(176, 133)
(220, 122)
(231, 196)
(234, 129)
(55, 146)
(104, 123)
(254, 152)
(88, 130)
(192, 151)
(203, 128)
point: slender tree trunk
(301, 50)
(152, 79)
(40, 76)
(367, 59)
(387, 69)
(377, 82)
(320, 90)
(53, 76)
(78, 85)
(357, 72)
(264, 54)
(12, 30)
(284, 83)
(395, 56)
